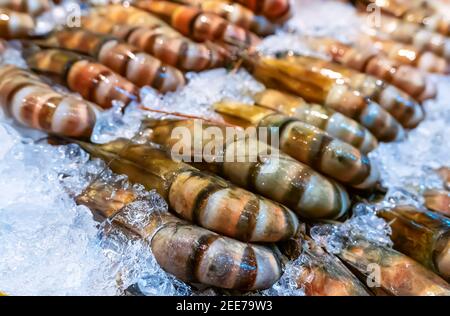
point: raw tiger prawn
(399, 104)
(421, 235)
(320, 273)
(124, 59)
(95, 82)
(198, 25)
(236, 14)
(275, 176)
(368, 59)
(308, 144)
(15, 25)
(318, 88)
(204, 199)
(190, 253)
(31, 102)
(176, 51)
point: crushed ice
(51, 246)
(195, 99)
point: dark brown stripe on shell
(248, 270)
(361, 176)
(47, 111)
(247, 221)
(296, 189)
(193, 21)
(182, 54)
(198, 251)
(203, 196)
(315, 156)
(159, 79)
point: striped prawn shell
(318, 88)
(316, 148)
(275, 10)
(124, 59)
(407, 54)
(399, 104)
(95, 82)
(396, 102)
(366, 58)
(229, 210)
(332, 122)
(422, 235)
(236, 14)
(190, 253)
(321, 273)
(277, 177)
(34, 104)
(15, 24)
(419, 37)
(394, 268)
(370, 114)
(197, 255)
(198, 25)
(177, 51)
(32, 7)
(204, 199)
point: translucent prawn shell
(308, 144)
(318, 88)
(266, 171)
(398, 274)
(422, 235)
(332, 122)
(399, 104)
(201, 198)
